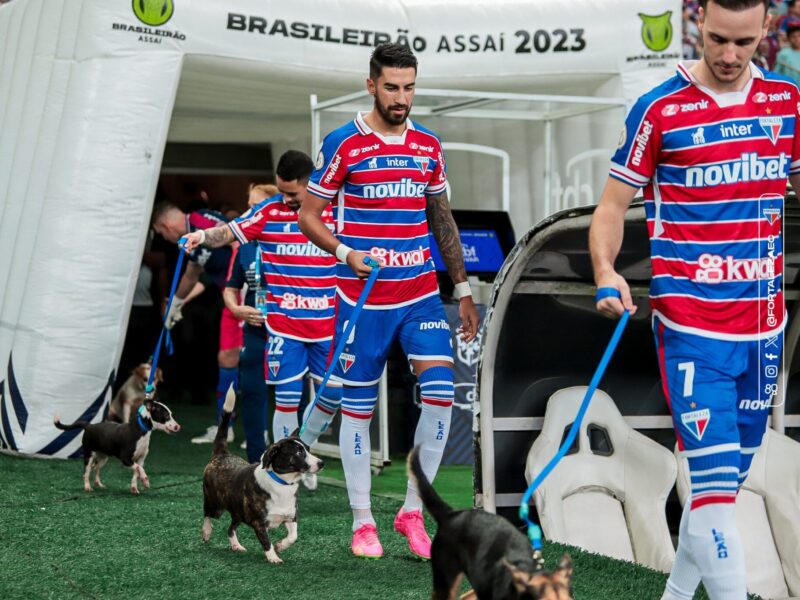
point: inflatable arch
(92, 90)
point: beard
(734, 72)
(390, 117)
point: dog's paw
(272, 556)
(134, 490)
(146, 482)
(87, 488)
(100, 484)
(282, 545)
(238, 548)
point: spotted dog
(262, 495)
(496, 558)
(129, 442)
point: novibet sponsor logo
(153, 12)
(656, 31)
(748, 168)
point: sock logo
(357, 444)
(440, 430)
(719, 540)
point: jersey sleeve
(438, 181)
(250, 225)
(236, 274)
(638, 151)
(329, 169)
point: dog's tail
(221, 441)
(437, 507)
(76, 425)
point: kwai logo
(656, 31)
(712, 268)
(392, 258)
(153, 12)
(296, 301)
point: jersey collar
(365, 129)
(722, 100)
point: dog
(129, 442)
(496, 557)
(262, 495)
(131, 395)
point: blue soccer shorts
(421, 328)
(720, 392)
(287, 359)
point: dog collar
(141, 422)
(278, 479)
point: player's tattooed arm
(218, 237)
(445, 232)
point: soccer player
(386, 178)
(172, 223)
(301, 288)
(712, 147)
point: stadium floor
(56, 541)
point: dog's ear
(148, 404)
(519, 578)
(269, 456)
(141, 371)
(159, 375)
(564, 571)
(295, 433)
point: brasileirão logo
(153, 12)
(656, 31)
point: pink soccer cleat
(365, 542)
(412, 525)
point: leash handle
(607, 292)
(148, 390)
(534, 531)
(373, 275)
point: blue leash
(148, 390)
(373, 275)
(534, 531)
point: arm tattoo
(445, 231)
(218, 236)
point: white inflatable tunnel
(92, 90)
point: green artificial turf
(56, 541)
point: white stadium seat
(768, 515)
(609, 496)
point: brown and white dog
(262, 495)
(495, 556)
(129, 442)
(131, 395)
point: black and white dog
(496, 557)
(128, 442)
(262, 495)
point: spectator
(788, 62)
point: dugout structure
(543, 333)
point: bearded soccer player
(386, 178)
(712, 147)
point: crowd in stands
(779, 51)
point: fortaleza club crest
(346, 361)
(697, 421)
(656, 31)
(153, 12)
(422, 163)
(274, 367)
(772, 214)
(772, 127)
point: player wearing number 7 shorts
(712, 147)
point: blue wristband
(606, 292)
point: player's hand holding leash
(193, 240)
(614, 304)
(361, 263)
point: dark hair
(391, 55)
(294, 164)
(160, 209)
(736, 4)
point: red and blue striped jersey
(300, 277)
(379, 187)
(215, 261)
(714, 169)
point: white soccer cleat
(209, 435)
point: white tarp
(87, 92)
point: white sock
(287, 403)
(358, 404)
(716, 547)
(436, 393)
(322, 415)
(684, 576)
